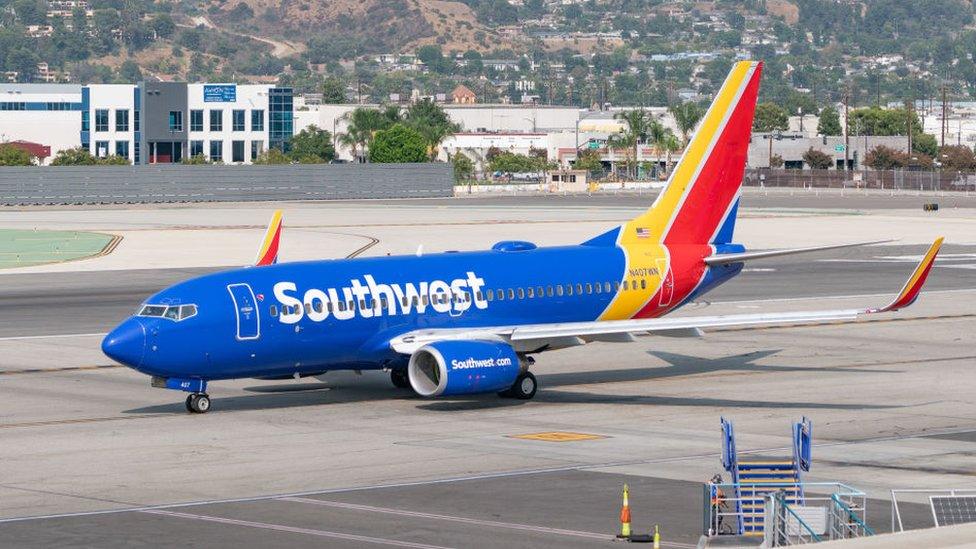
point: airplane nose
(126, 344)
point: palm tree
(670, 144)
(432, 122)
(636, 130)
(686, 117)
(363, 123)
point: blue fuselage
(310, 317)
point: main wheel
(199, 403)
(524, 387)
(189, 407)
(400, 378)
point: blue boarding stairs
(755, 477)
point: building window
(13, 106)
(101, 149)
(85, 121)
(196, 121)
(196, 148)
(281, 118)
(175, 121)
(257, 147)
(122, 149)
(122, 120)
(136, 149)
(135, 120)
(216, 151)
(257, 120)
(237, 117)
(216, 120)
(101, 120)
(237, 151)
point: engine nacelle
(463, 368)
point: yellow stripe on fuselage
(648, 254)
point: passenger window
(404, 301)
(308, 307)
(521, 293)
(559, 290)
(625, 285)
(342, 306)
(531, 291)
(273, 310)
(501, 295)
(539, 291)
(318, 307)
(511, 293)
(549, 291)
(569, 289)
(606, 286)
(589, 288)
(479, 296)
(579, 289)
(423, 300)
(599, 287)
(186, 311)
(384, 303)
(489, 295)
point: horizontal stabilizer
(724, 259)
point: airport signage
(219, 93)
(839, 148)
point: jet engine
(464, 367)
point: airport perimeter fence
(53, 185)
(862, 179)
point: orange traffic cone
(625, 516)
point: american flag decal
(643, 232)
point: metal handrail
(782, 501)
(850, 514)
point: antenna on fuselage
(420, 250)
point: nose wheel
(198, 403)
(524, 387)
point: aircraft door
(246, 310)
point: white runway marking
(18, 338)
(449, 518)
(295, 530)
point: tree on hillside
(312, 145)
(11, 155)
(770, 117)
(333, 90)
(398, 144)
(829, 123)
(686, 116)
(817, 160)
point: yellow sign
(558, 436)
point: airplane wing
(722, 259)
(539, 337)
(268, 252)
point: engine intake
(463, 367)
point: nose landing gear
(198, 403)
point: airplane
(460, 323)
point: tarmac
(92, 456)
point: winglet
(268, 252)
(909, 292)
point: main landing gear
(198, 403)
(524, 387)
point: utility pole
(359, 86)
(911, 116)
(847, 141)
(943, 114)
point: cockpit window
(172, 312)
(186, 311)
(152, 310)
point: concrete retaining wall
(178, 183)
